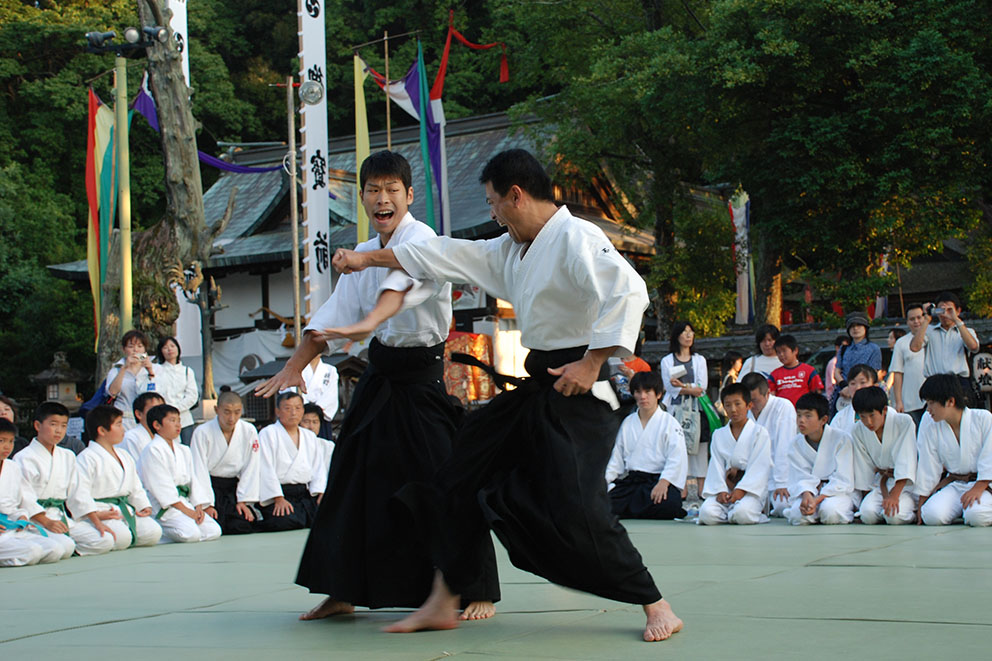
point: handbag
(688, 417)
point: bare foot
(662, 621)
(478, 610)
(438, 612)
(328, 608)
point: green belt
(54, 502)
(126, 511)
(183, 490)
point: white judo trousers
(827, 470)
(778, 417)
(163, 468)
(895, 455)
(751, 453)
(26, 546)
(941, 451)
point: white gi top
(101, 475)
(322, 388)
(50, 475)
(896, 451)
(751, 453)
(939, 449)
(283, 463)
(213, 455)
(779, 420)
(17, 498)
(761, 364)
(135, 441)
(658, 447)
(945, 351)
(833, 461)
(844, 420)
(570, 289)
(910, 364)
(163, 468)
(426, 315)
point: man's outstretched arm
(291, 375)
(349, 261)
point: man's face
(940, 411)
(386, 201)
(502, 209)
(758, 400)
(51, 430)
(6, 444)
(228, 415)
(736, 408)
(170, 427)
(290, 412)
(915, 319)
(149, 405)
(767, 345)
(311, 421)
(945, 318)
(809, 422)
(873, 420)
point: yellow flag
(361, 144)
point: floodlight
(311, 92)
(159, 34)
(96, 39)
(132, 35)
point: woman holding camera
(131, 375)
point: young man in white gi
(821, 467)
(50, 471)
(519, 470)
(226, 449)
(181, 499)
(778, 416)
(740, 465)
(884, 459)
(648, 467)
(138, 437)
(955, 463)
(109, 492)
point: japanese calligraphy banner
(313, 127)
(178, 25)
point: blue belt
(18, 525)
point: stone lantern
(60, 382)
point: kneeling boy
(957, 445)
(182, 500)
(647, 469)
(108, 490)
(884, 459)
(821, 467)
(740, 464)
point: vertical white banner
(313, 127)
(178, 26)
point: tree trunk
(768, 282)
(206, 324)
(663, 300)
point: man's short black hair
(736, 389)
(728, 360)
(46, 410)
(814, 401)
(755, 381)
(948, 296)
(8, 427)
(942, 388)
(870, 399)
(141, 401)
(384, 164)
(158, 413)
(861, 368)
(284, 396)
(518, 167)
(766, 329)
(787, 341)
(647, 381)
(313, 408)
(913, 306)
(100, 416)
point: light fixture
(159, 34)
(311, 92)
(132, 35)
(97, 39)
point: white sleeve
(190, 393)
(985, 454)
(676, 458)
(344, 308)
(671, 392)
(28, 505)
(759, 464)
(269, 487)
(801, 478)
(929, 467)
(135, 491)
(201, 489)
(784, 429)
(157, 478)
(716, 474)
(417, 291)
(80, 501)
(614, 468)
(443, 259)
(864, 467)
(328, 400)
(905, 453)
(250, 476)
(896, 364)
(318, 479)
(842, 480)
(700, 372)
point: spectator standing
(123, 378)
(176, 383)
(859, 352)
(906, 368)
(947, 344)
(685, 390)
(765, 360)
(830, 374)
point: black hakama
(225, 502)
(363, 549)
(531, 466)
(630, 498)
(303, 515)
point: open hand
(781, 494)
(890, 504)
(972, 496)
(575, 378)
(282, 507)
(144, 512)
(109, 514)
(288, 377)
(102, 528)
(245, 512)
(660, 491)
(210, 511)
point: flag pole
(389, 137)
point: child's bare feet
(328, 608)
(478, 610)
(662, 621)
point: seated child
(821, 467)
(108, 490)
(51, 473)
(955, 463)
(21, 541)
(793, 379)
(647, 469)
(740, 465)
(292, 472)
(313, 419)
(181, 500)
(858, 377)
(226, 449)
(138, 437)
(884, 459)
(778, 416)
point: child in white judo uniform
(21, 541)
(648, 467)
(778, 416)
(226, 451)
(51, 472)
(821, 467)
(182, 501)
(108, 490)
(955, 464)
(740, 464)
(858, 377)
(138, 437)
(884, 459)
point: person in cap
(859, 352)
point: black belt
(536, 365)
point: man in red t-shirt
(793, 379)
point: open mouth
(384, 216)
